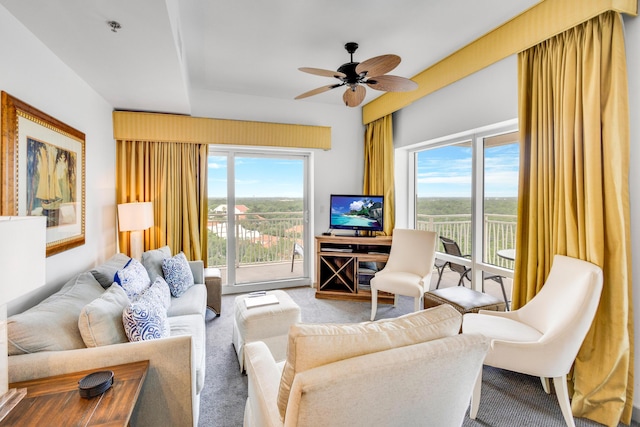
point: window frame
(408, 157)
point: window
(465, 189)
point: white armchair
(408, 269)
(543, 337)
(414, 370)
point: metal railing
(499, 233)
(265, 237)
(269, 237)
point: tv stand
(341, 272)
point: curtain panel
(378, 167)
(574, 196)
(172, 175)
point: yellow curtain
(378, 167)
(574, 196)
(173, 177)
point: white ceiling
(167, 50)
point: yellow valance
(135, 126)
(541, 22)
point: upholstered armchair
(413, 370)
(543, 337)
(408, 269)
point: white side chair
(408, 269)
(543, 337)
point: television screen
(356, 212)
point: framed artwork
(43, 172)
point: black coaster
(95, 384)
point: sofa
(414, 370)
(84, 326)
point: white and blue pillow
(158, 292)
(133, 278)
(177, 273)
(145, 319)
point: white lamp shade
(135, 216)
(23, 253)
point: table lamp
(135, 217)
(23, 252)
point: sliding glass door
(258, 217)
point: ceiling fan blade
(317, 91)
(379, 65)
(324, 73)
(391, 84)
(353, 98)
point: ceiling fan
(355, 75)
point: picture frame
(43, 172)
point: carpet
(508, 399)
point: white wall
(338, 170)
(490, 96)
(31, 73)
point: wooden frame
(43, 172)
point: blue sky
(257, 177)
(446, 171)
(442, 172)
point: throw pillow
(177, 273)
(144, 319)
(158, 292)
(133, 279)
(152, 261)
(100, 321)
(312, 345)
(105, 272)
(52, 325)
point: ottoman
(213, 282)
(267, 323)
(463, 299)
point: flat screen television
(356, 212)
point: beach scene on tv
(363, 212)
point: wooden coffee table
(55, 401)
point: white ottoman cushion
(268, 323)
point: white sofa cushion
(105, 272)
(152, 261)
(53, 324)
(100, 321)
(193, 301)
(313, 345)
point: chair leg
(439, 278)
(504, 293)
(545, 385)
(374, 303)
(562, 393)
(417, 304)
(475, 396)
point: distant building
(239, 209)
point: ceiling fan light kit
(354, 75)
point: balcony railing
(261, 238)
(499, 233)
(268, 237)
